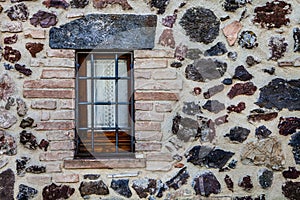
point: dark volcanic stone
(185, 128)
(216, 50)
(251, 61)
(28, 140)
(21, 165)
(18, 12)
(193, 54)
(289, 125)
(180, 52)
(265, 178)
(248, 39)
(93, 187)
(227, 81)
(232, 55)
(11, 40)
(179, 179)
(11, 55)
(203, 69)
(161, 5)
(191, 108)
(104, 3)
(91, 176)
(53, 191)
(206, 156)
(161, 187)
(10, 102)
(291, 173)
(213, 90)
(296, 36)
(273, 14)
(23, 70)
(277, 47)
(232, 5)
(232, 164)
(27, 122)
(238, 134)
(206, 184)
(262, 132)
(280, 93)
(144, 187)
(291, 190)
(270, 71)
(238, 108)
(116, 32)
(79, 3)
(121, 187)
(246, 183)
(229, 183)
(197, 90)
(295, 143)
(242, 74)
(34, 48)
(26, 192)
(56, 4)
(7, 181)
(176, 64)
(242, 89)
(259, 114)
(44, 19)
(206, 131)
(200, 24)
(36, 169)
(8, 144)
(214, 106)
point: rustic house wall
(217, 103)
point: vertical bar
(117, 101)
(76, 102)
(92, 99)
(132, 102)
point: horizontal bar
(105, 128)
(104, 78)
(104, 103)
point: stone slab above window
(106, 31)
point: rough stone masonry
(217, 99)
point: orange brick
(148, 136)
(148, 146)
(150, 64)
(143, 106)
(49, 84)
(148, 116)
(156, 96)
(65, 114)
(61, 145)
(147, 126)
(66, 178)
(163, 107)
(158, 84)
(56, 94)
(56, 156)
(44, 104)
(61, 53)
(44, 126)
(60, 135)
(58, 73)
(154, 53)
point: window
(104, 104)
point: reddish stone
(167, 38)
(44, 19)
(11, 40)
(259, 114)
(229, 183)
(44, 144)
(221, 120)
(169, 21)
(291, 173)
(231, 31)
(34, 48)
(22, 69)
(242, 89)
(54, 191)
(288, 125)
(239, 108)
(246, 183)
(104, 3)
(11, 55)
(56, 3)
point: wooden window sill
(109, 163)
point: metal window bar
(93, 103)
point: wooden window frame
(117, 132)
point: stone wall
(217, 103)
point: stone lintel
(106, 31)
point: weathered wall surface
(217, 103)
